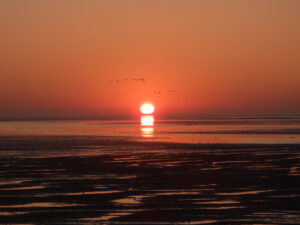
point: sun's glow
(147, 108)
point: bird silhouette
(168, 91)
(134, 79)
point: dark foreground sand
(105, 180)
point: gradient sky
(221, 57)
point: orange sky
(221, 57)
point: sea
(150, 171)
(148, 128)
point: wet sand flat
(114, 180)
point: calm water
(264, 131)
(115, 172)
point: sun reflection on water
(147, 131)
(147, 123)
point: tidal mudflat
(115, 180)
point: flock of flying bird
(169, 91)
(141, 80)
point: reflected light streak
(147, 120)
(147, 123)
(147, 131)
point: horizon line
(169, 116)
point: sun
(147, 108)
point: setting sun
(147, 108)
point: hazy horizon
(137, 116)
